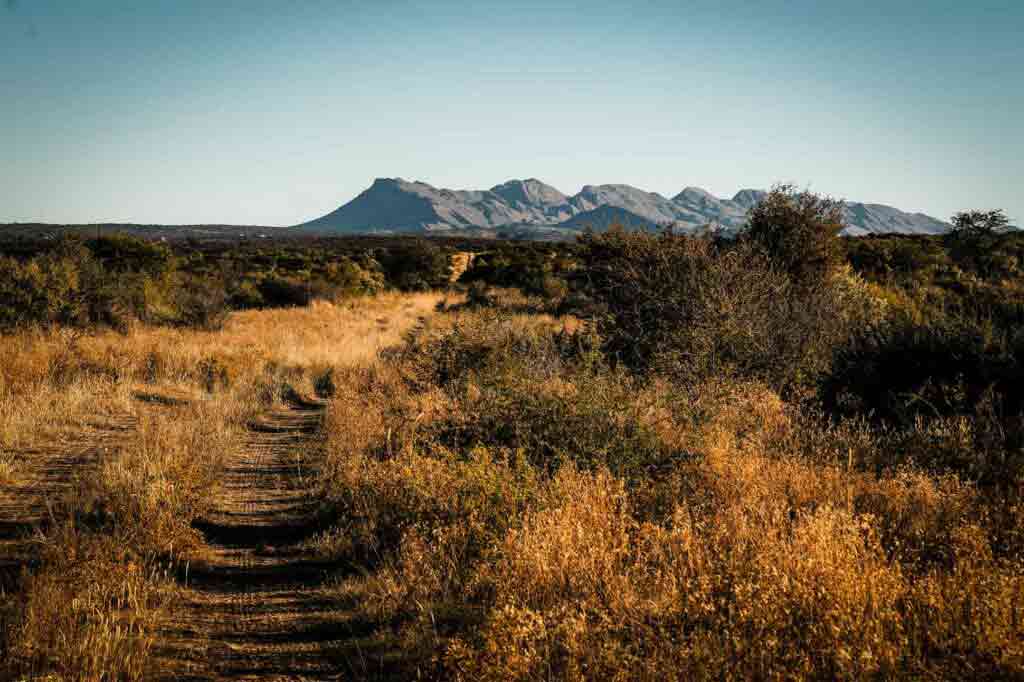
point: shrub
(283, 292)
(478, 295)
(418, 266)
(202, 304)
(943, 366)
(50, 288)
(799, 231)
(123, 253)
(974, 238)
(246, 295)
(348, 278)
(691, 309)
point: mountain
(649, 205)
(396, 205)
(532, 193)
(392, 205)
(864, 219)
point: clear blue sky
(273, 113)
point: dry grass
(56, 380)
(762, 551)
(90, 610)
(520, 510)
(89, 614)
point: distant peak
(401, 184)
(625, 189)
(529, 191)
(748, 197)
(389, 183)
(693, 195)
(697, 191)
(528, 182)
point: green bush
(799, 231)
(346, 277)
(203, 304)
(417, 266)
(130, 279)
(508, 379)
(690, 308)
(246, 295)
(279, 291)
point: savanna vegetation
(786, 455)
(155, 412)
(113, 280)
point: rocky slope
(520, 206)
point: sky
(273, 113)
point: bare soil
(255, 607)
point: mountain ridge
(395, 205)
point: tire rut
(255, 607)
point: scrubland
(640, 457)
(525, 512)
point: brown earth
(256, 606)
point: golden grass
(55, 380)
(90, 610)
(762, 548)
(764, 552)
(89, 614)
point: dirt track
(255, 607)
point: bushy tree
(691, 308)
(799, 232)
(979, 224)
(974, 238)
(347, 277)
(124, 253)
(417, 266)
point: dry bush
(746, 587)
(770, 544)
(7, 467)
(90, 613)
(515, 383)
(426, 520)
(163, 479)
(694, 310)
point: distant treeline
(112, 280)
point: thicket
(521, 509)
(536, 268)
(108, 281)
(112, 280)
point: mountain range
(531, 208)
